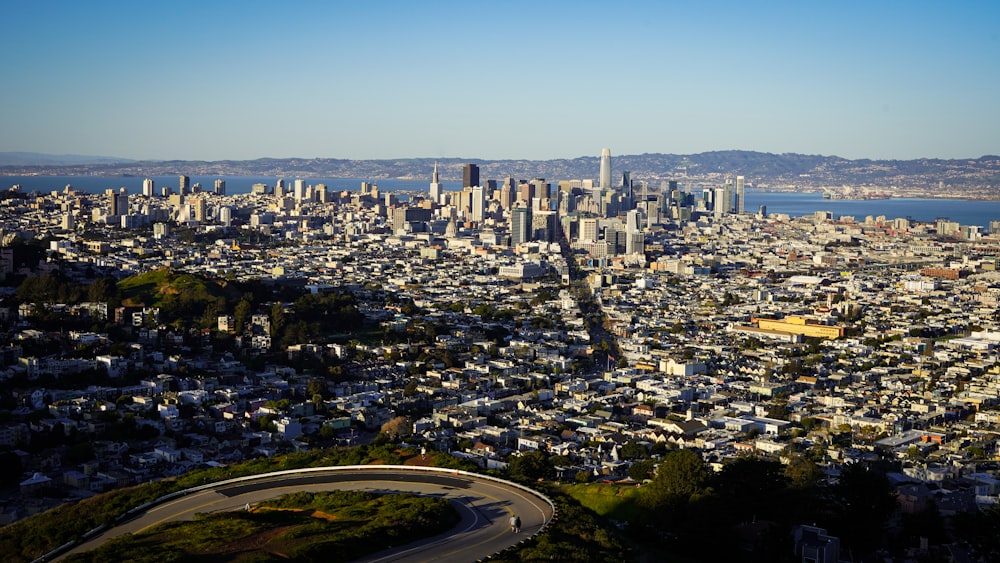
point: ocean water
(965, 212)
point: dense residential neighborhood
(150, 334)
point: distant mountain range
(42, 159)
(763, 169)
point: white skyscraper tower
(478, 203)
(436, 186)
(605, 179)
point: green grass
(158, 287)
(326, 526)
(616, 502)
(578, 535)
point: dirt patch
(254, 544)
(418, 460)
(324, 516)
(312, 513)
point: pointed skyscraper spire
(435, 186)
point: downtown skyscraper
(470, 176)
(436, 185)
(605, 177)
(520, 225)
(740, 195)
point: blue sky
(496, 80)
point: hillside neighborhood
(151, 334)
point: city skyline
(391, 80)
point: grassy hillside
(28, 539)
(163, 287)
(616, 502)
(327, 526)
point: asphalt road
(485, 507)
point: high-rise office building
(544, 225)
(605, 179)
(199, 209)
(634, 243)
(436, 186)
(478, 203)
(470, 176)
(720, 203)
(409, 219)
(148, 187)
(628, 198)
(299, 189)
(589, 230)
(525, 192)
(542, 188)
(520, 225)
(220, 187)
(740, 195)
(507, 193)
(633, 221)
(118, 202)
(185, 185)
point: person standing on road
(515, 523)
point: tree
(317, 387)
(751, 486)
(103, 289)
(809, 423)
(866, 503)
(277, 321)
(530, 466)
(634, 450)
(979, 529)
(411, 388)
(398, 427)
(802, 472)
(241, 314)
(681, 474)
(641, 470)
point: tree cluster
(747, 511)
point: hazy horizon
(117, 159)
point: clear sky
(214, 80)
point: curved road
(483, 504)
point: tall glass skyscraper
(520, 225)
(605, 179)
